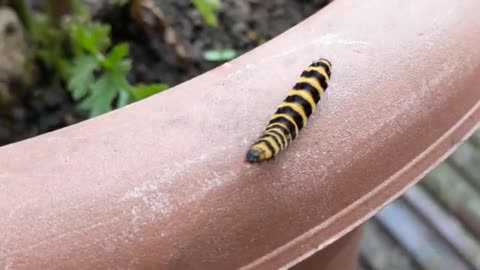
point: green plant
(81, 55)
(49, 46)
(99, 76)
(208, 9)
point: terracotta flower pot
(162, 184)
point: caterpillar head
(258, 153)
(253, 156)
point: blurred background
(62, 62)
(67, 60)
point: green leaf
(80, 9)
(100, 100)
(48, 42)
(104, 91)
(116, 55)
(124, 98)
(64, 68)
(90, 36)
(82, 76)
(142, 91)
(208, 9)
(219, 55)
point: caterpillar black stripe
(292, 115)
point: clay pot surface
(162, 184)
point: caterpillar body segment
(293, 113)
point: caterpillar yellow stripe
(292, 115)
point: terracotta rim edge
(419, 167)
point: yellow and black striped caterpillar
(293, 113)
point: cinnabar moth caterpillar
(293, 113)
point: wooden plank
(363, 264)
(475, 139)
(457, 195)
(428, 249)
(379, 251)
(466, 160)
(463, 242)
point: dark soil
(243, 25)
